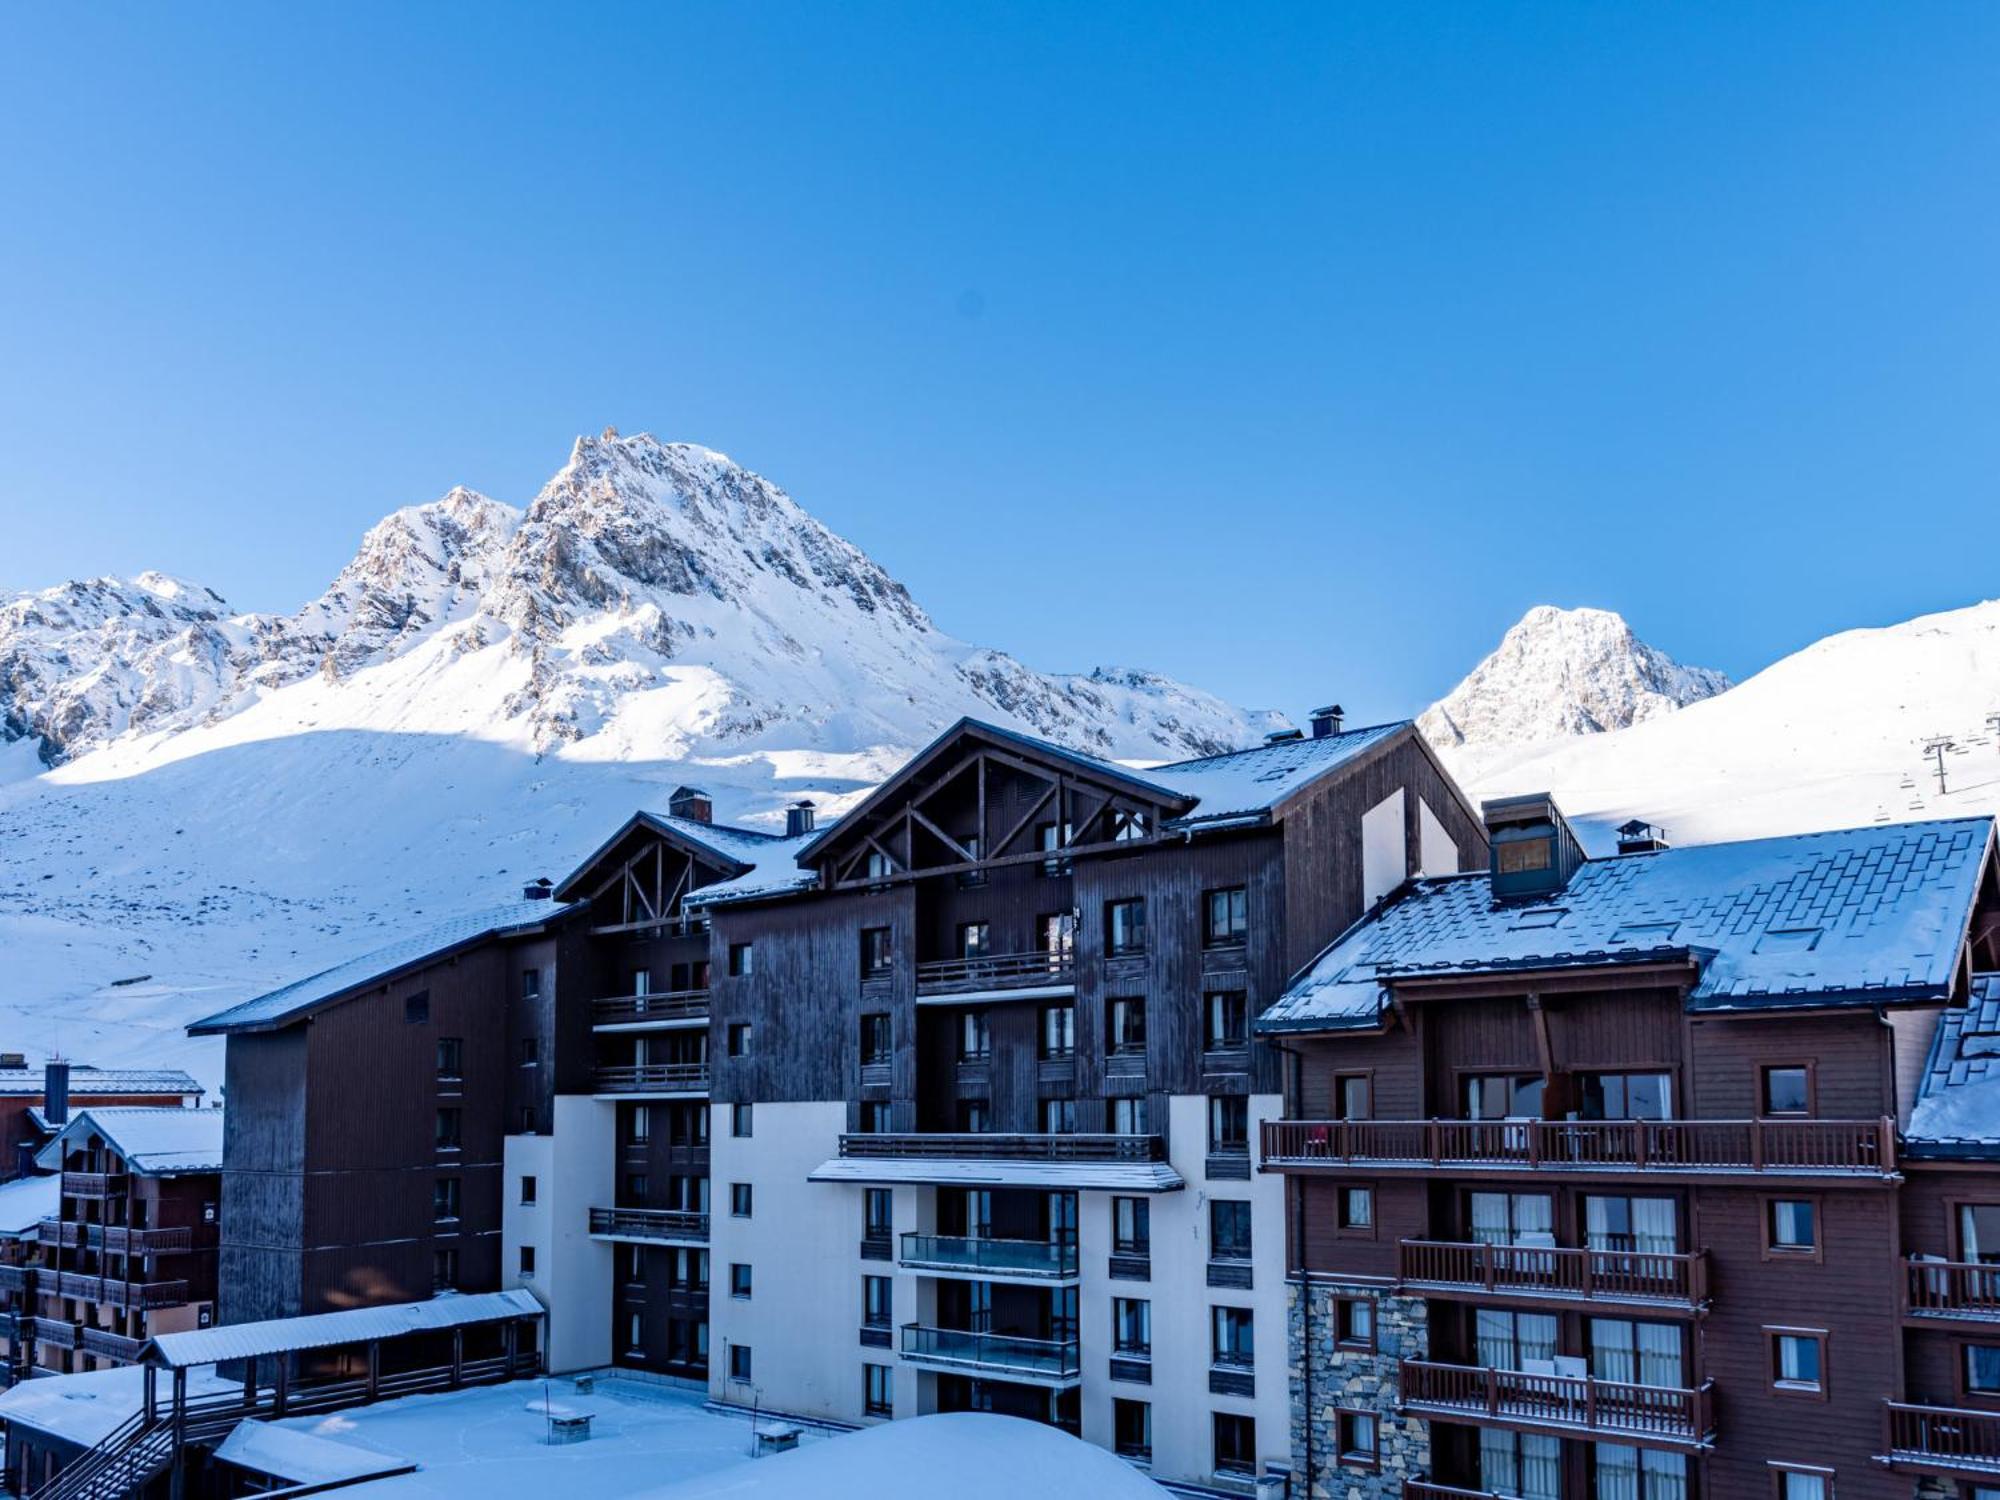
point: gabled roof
(102, 1083)
(295, 1001)
(154, 1142)
(207, 1346)
(736, 850)
(1864, 915)
(1958, 1103)
(1263, 777)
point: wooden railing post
(1757, 1145)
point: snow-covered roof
(86, 1409)
(1258, 779)
(1112, 1176)
(155, 1142)
(378, 965)
(743, 849)
(1958, 1104)
(300, 1457)
(25, 1202)
(207, 1346)
(1860, 915)
(968, 1455)
(770, 861)
(88, 1082)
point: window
(635, 1266)
(1798, 1360)
(1357, 1210)
(877, 1302)
(1229, 1125)
(1354, 1323)
(1050, 838)
(528, 1186)
(1235, 1445)
(639, 1125)
(642, 981)
(1979, 1234)
(1793, 1226)
(877, 1391)
(975, 1116)
(1131, 1226)
(531, 984)
(1504, 1340)
(1228, 1229)
(1634, 1353)
(1227, 919)
(1059, 1116)
(1626, 1096)
(1132, 1429)
(1056, 933)
(877, 957)
(1125, 1026)
(637, 1186)
(1124, 927)
(1648, 1226)
(878, 866)
(1520, 1463)
(417, 1007)
(739, 1361)
(739, 1200)
(451, 1057)
(531, 1051)
(739, 1281)
(742, 962)
(1982, 1369)
(975, 1037)
(1511, 1219)
(739, 1121)
(1232, 1337)
(876, 1038)
(527, 1260)
(1132, 1327)
(1127, 826)
(879, 1212)
(444, 1269)
(1502, 1096)
(1787, 1090)
(445, 1199)
(737, 1039)
(975, 939)
(527, 1120)
(450, 1129)
(1353, 1096)
(1790, 1482)
(1357, 1437)
(875, 1117)
(1228, 1019)
(1128, 1116)
(1623, 1473)
(1059, 1030)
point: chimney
(1326, 721)
(55, 1092)
(1283, 736)
(1640, 837)
(1534, 852)
(538, 890)
(799, 818)
(13, 1060)
(692, 803)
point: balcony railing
(108, 1345)
(17, 1278)
(116, 1293)
(1943, 1438)
(1423, 1489)
(1952, 1288)
(972, 1253)
(992, 1146)
(1535, 1271)
(999, 1354)
(634, 1010)
(664, 1224)
(59, 1232)
(93, 1184)
(53, 1332)
(995, 971)
(119, 1239)
(1808, 1147)
(1559, 1402)
(654, 1078)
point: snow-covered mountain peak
(1560, 672)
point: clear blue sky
(1292, 351)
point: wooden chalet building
(35, 1102)
(985, 1089)
(131, 1249)
(1668, 1176)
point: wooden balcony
(993, 1146)
(1423, 1489)
(639, 1012)
(997, 1356)
(1941, 1439)
(653, 1078)
(997, 972)
(53, 1332)
(17, 1279)
(1952, 1289)
(1617, 1148)
(115, 1293)
(1656, 1280)
(59, 1232)
(113, 1346)
(1655, 1415)
(989, 1259)
(93, 1184)
(665, 1226)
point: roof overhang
(1110, 1176)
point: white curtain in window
(1490, 1224)
(1505, 1339)
(1541, 1468)
(1498, 1470)
(1641, 1353)
(1617, 1472)
(1534, 1219)
(1653, 1227)
(1665, 1474)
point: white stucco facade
(572, 1169)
